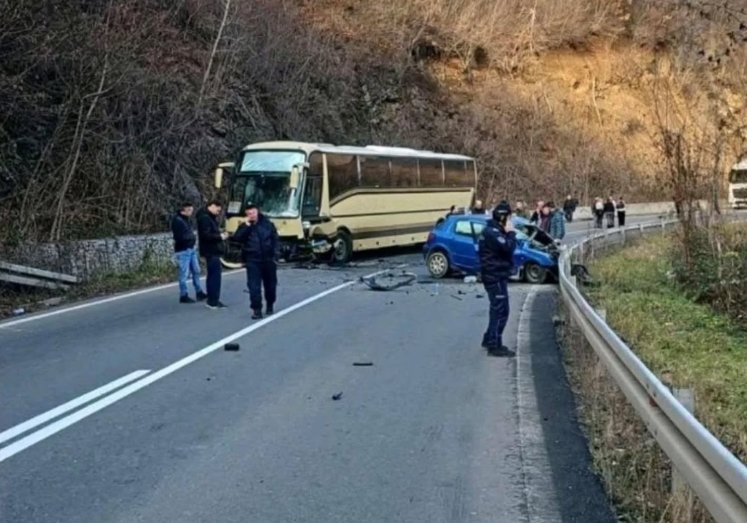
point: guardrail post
(687, 398)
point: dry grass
(688, 345)
(636, 473)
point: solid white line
(539, 492)
(70, 405)
(101, 301)
(57, 426)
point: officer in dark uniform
(260, 249)
(497, 244)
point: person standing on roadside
(537, 214)
(211, 248)
(186, 256)
(609, 212)
(261, 250)
(557, 223)
(598, 211)
(621, 212)
(569, 207)
(496, 247)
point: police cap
(501, 210)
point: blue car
(452, 246)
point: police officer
(260, 249)
(497, 244)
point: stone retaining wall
(90, 258)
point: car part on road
(395, 281)
(337, 396)
(231, 347)
(363, 364)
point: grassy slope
(684, 343)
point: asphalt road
(184, 431)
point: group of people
(547, 217)
(606, 210)
(260, 248)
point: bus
(738, 185)
(328, 201)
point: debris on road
(456, 297)
(231, 347)
(337, 396)
(470, 279)
(389, 281)
(363, 364)
(582, 274)
(479, 295)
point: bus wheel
(438, 264)
(533, 273)
(342, 248)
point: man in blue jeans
(496, 245)
(211, 248)
(186, 256)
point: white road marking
(542, 504)
(102, 301)
(70, 405)
(57, 426)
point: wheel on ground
(533, 273)
(342, 248)
(438, 264)
(230, 264)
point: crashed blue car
(452, 246)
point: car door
(464, 245)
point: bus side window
(458, 174)
(374, 171)
(343, 173)
(404, 172)
(431, 174)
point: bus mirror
(294, 178)
(218, 178)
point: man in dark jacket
(496, 245)
(186, 257)
(261, 250)
(211, 248)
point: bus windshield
(738, 176)
(264, 180)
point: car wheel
(438, 264)
(534, 273)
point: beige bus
(330, 201)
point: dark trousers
(598, 223)
(212, 281)
(498, 318)
(261, 274)
(621, 218)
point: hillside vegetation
(113, 110)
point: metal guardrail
(717, 476)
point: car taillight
(431, 237)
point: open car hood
(535, 235)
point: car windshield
(264, 180)
(738, 176)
